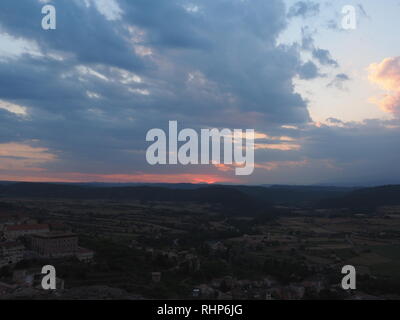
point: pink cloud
(21, 157)
(386, 74)
(274, 165)
(281, 147)
(389, 102)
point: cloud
(109, 8)
(339, 80)
(280, 146)
(324, 57)
(360, 151)
(309, 71)
(389, 103)
(83, 97)
(17, 158)
(386, 74)
(334, 121)
(304, 9)
(307, 40)
(16, 150)
(274, 165)
(90, 94)
(75, 34)
(14, 108)
(336, 152)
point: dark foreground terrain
(212, 242)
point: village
(160, 250)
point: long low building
(58, 245)
(55, 244)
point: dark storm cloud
(91, 98)
(213, 64)
(338, 153)
(9, 127)
(361, 151)
(81, 31)
(33, 79)
(168, 23)
(239, 57)
(175, 24)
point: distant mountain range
(231, 197)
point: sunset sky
(76, 102)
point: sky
(76, 102)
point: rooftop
(55, 235)
(27, 227)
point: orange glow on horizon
(120, 178)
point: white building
(11, 253)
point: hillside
(229, 199)
(366, 198)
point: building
(55, 244)
(11, 253)
(17, 231)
